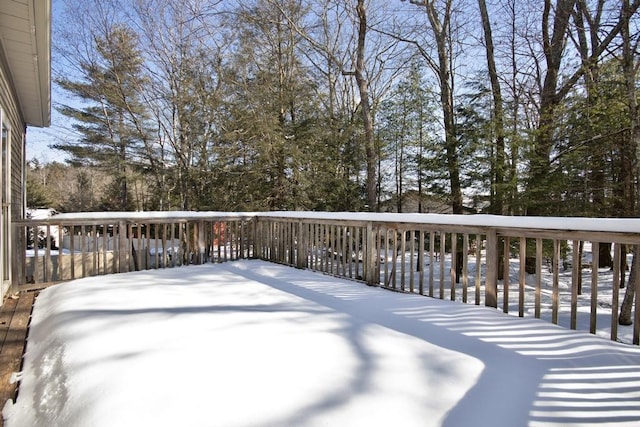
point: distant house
(25, 99)
(411, 203)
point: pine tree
(273, 139)
(407, 131)
(112, 120)
(37, 195)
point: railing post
(302, 244)
(636, 322)
(256, 236)
(122, 248)
(491, 285)
(18, 263)
(200, 245)
(370, 274)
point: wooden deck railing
(541, 267)
(538, 267)
(71, 246)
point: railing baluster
(355, 251)
(94, 252)
(345, 238)
(394, 257)
(155, 244)
(478, 279)
(236, 244)
(412, 253)
(313, 241)
(522, 276)
(62, 258)
(506, 282)
(432, 244)
(491, 284)
(595, 265)
(454, 265)
(48, 270)
(241, 246)
(403, 261)
(72, 238)
(465, 266)
(615, 291)
(421, 262)
(575, 271)
(351, 231)
(83, 250)
(556, 282)
(385, 237)
(105, 248)
(443, 243)
(147, 246)
(636, 320)
(537, 301)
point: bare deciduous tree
(440, 18)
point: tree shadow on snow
(535, 373)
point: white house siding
(12, 117)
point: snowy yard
(251, 343)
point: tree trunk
(441, 28)
(626, 317)
(498, 113)
(367, 117)
(626, 308)
(554, 43)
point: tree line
(499, 106)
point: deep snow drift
(250, 343)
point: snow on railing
(568, 271)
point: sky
(251, 343)
(39, 139)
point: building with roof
(25, 100)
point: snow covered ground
(251, 343)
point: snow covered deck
(251, 343)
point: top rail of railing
(81, 218)
(630, 226)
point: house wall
(12, 117)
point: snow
(41, 213)
(30, 253)
(619, 225)
(250, 343)
(616, 225)
(158, 215)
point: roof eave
(42, 57)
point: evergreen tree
(37, 195)
(274, 132)
(407, 130)
(84, 193)
(113, 122)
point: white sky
(251, 343)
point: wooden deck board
(6, 313)
(15, 314)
